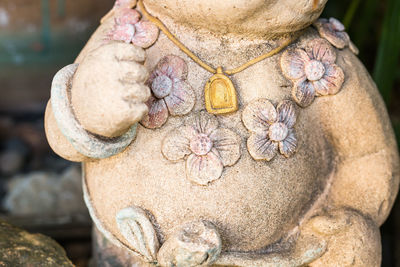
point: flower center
(201, 144)
(314, 70)
(161, 86)
(278, 131)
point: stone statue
(228, 133)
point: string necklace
(220, 93)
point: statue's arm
(57, 141)
(356, 121)
(366, 176)
(101, 96)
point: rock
(31, 194)
(69, 191)
(46, 193)
(20, 248)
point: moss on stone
(20, 248)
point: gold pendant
(220, 94)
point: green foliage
(388, 51)
(374, 26)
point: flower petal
(293, 62)
(173, 66)
(333, 31)
(146, 34)
(336, 25)
(227, 144)
(123, 33)
(127, 16)
(202, 122)
(158, 113)
(261, 148)
(181, 99)
(321, 50)
(124, 3)
(287, 113)
(303, 93)
(203, 169)
(258, 115)
(341, 40)
(287, 147)
(332, 81)
(176, 145)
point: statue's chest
(253, 171)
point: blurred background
(40, 191)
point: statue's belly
(253, 203)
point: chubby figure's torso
(254, 203)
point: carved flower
(193, 244)
(313, 71)
(271, 129)
(208, 147)
(333, 31)
(124, 3)
(130, 28)
(171, 94)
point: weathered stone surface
(345, 152)
(20, 248)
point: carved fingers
(193, 244)
(108, 91)
(85, 143)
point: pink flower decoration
(124, 4)
(206, 148)
(334, 31)
(130, 28)
(271, 129)
(171, 94)
(313, 71)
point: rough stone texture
(20, 248)
(346, 231)
(346, 157)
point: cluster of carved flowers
(271, 128)
(206, 147)
(313, 71)
(196, 243)
(129, 27)
(334, 31)
(171, 93)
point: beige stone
(319, 204)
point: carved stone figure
(228, 133)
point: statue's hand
(352, 239)
(108, 92)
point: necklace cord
(196, 59)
